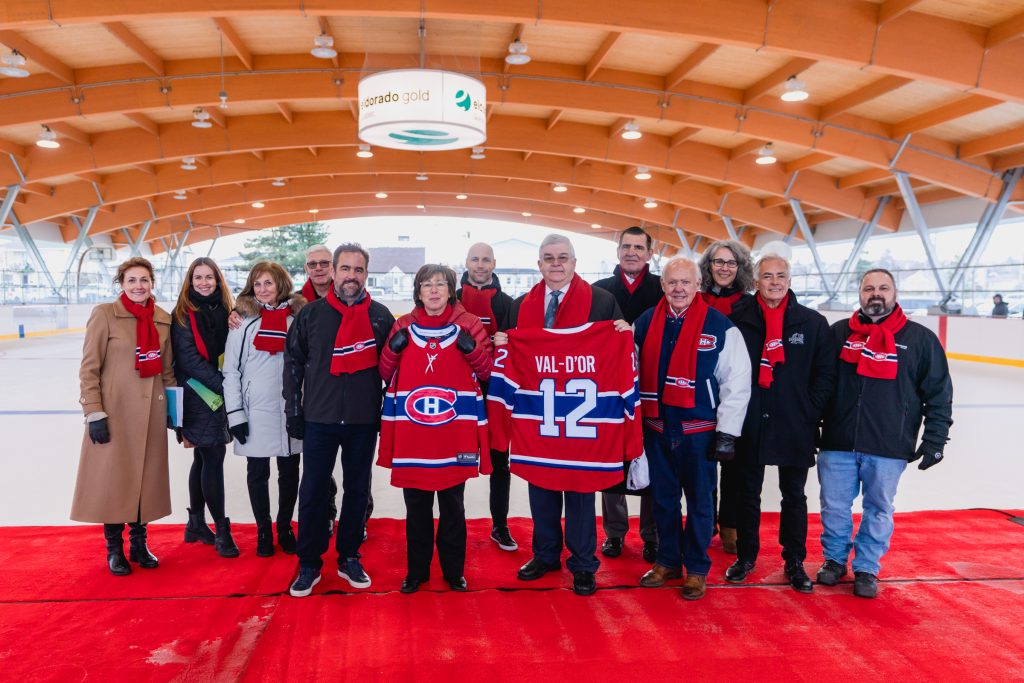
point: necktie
(549, 314)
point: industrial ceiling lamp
(642, 173)
(323, 47)
(314, 211)
(47, 139)
(240, 221)
(381, 195)
(188, 164)
(180, 194)
(595, 226)
(478, 153)
(364, 152)
(578, 209)
(517, 53)
(526, 214)
(223, 94)
(631, 131)
(278, 182)
(422, 176)
(13, 65)
(559, 187)
(796, 90)
(766, 155)
(257, 205)
(461, 196)
(650, 204)
(201, 118)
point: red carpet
(951, 605)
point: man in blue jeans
(892, 375)
(333, 395)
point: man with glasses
(635, 289)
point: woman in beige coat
(126, 363)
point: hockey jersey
(433, 431)
(564, 403)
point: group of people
(578, 388)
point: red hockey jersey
(564, 402)
(433, 432)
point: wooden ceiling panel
(737, 67)
(1000, 118)
(524, 110)
(180, 39)
(562, 44)
(979, 12)
(910, 100)
(840, 167)
(391, 35)
(275, 35)
(827, 82)
(648, 54)
(81, 46)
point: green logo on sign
(423, 138)
(462, 100)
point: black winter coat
(200, 425)
(647, 294)
(781, 426)
(499, 304)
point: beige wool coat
(126, 479)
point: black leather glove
(295, 425)
(99, 431)
(240, 432)
(724, 449)
(929, 456)
(178, 435)
(465, 343)
(399, 340)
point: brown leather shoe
(729, 540)
(694, 587)
(658, 575)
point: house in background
(392, 270)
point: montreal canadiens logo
(152, 355)
(856, 346)
(359, 346)
(879, 356)
(431, 406)
(774, 344)
(707, 342)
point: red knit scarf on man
(273, 329)
(681, 379)
(309, 291)
(872, 346)
(772, 353)
(147, 340)
(355, 348)
(573, 307)
(479, 302)
(631, 286)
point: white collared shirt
(561, 298)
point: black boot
(196, 529)
(286, 537)
(264, 540)
(116, 561)
(223, 542)
(138, 551)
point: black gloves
(99, 431)
(178, 435)
(465, 343)
(295, 426)
(240, 432)
(399, 340)
(724, 449)
(928, 454)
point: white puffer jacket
(252, 385)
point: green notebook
(210, 398)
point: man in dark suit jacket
(635, 290)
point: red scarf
(479, 303)
(722, 304)
(419, 314)
(273, 329)
(631, 286)
(872, 346)
(772, 352)
(200, 344)
(147, 340)
(355, 347)
(573, 308)
(681, 379)
(309, 292)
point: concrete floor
(39, 414)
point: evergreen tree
(285, 245)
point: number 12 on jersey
(587, 388)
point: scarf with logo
(479, 302)
(631, 286)
(355, 347)
(273, 328)
(573, 307)
(872, 346)
(147, 340)
(681, 380)
(309, 291)
(724, 300)
(419, 314)
(772, 353)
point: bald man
(481, 294)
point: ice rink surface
(42, 429)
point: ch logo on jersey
(431, 406)
(707, 342)
(773, 344)
(359, 346)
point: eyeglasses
(317, 264)
(722, 263)
(551, 260)
(434, 285)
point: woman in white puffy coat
(253, 366)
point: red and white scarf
(273, 329)
(573, 309)
(480, 302)
(872, 346)
(147, 340)
(772, 353)
(631, 286)
(355, 347)
(681, 379)
(309, 291)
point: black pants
(206, 480)
(501, 482)
(332, 498)
(615, 517)
(258, 478)
(793, 525)
(728, 494)
(580, 528)
(451, 532)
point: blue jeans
(842, 475)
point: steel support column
(686, 245)
(173, 258)
(805, 230)
(733, 235)
(858, 246)
(788, 239)
(33, 250)
(917, 218)
(213, 242)
(83, 232)
(8, 203)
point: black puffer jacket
(202, 426)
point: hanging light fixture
(526, 214)
(314, 211)
(650, 204)
(278, 182)
(642, 173)
(631, 131)
(595, 226)
(240, 221)
(257, 205)
(188, 164)
(766, 155)
(578, 209)
(478, 153)
(421, 207)
(796, 90)
(223, 94)
(201, 118)
(180, 194)
(381, 195)
(47, 138)
(323, 47)
(559, 187)
(517, 53)
(461, 196)
(422, 176)
(364, 152)
(14, 65)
